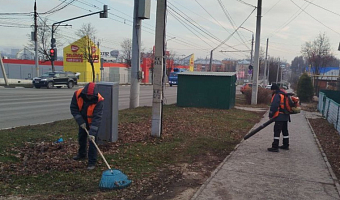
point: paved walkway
(251, 172)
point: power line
(225, 11)
(297, 13)
(322, 7)
(315, 18)
(272, 7)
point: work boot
(79, 157)
(91, 166)
(285, 147)
(273, 149)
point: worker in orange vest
(281, 119)
(87, 109)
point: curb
(329, 167)
(8, 128)
(213, 174)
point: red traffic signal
(53, 54)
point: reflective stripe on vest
(90, 109)
(281, 106)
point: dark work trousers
(92, 153)
(278, 127)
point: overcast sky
(193, 26)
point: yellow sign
(191, 63)
(76, 59)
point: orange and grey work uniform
(87, 111)
(281, 119)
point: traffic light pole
(103, 14)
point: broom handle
(107, 164)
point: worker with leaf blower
(280, 117)
(87, 109)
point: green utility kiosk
(206, 89)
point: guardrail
(330, 108)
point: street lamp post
(252, 44)
(166, 60)
(102, 14)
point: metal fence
(329, 106)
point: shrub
(305, 89)
(263, 96)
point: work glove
(92, 138)
(83, 126)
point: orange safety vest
(281, 106)
(90, 109)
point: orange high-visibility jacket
(90, 109)
(281, 106)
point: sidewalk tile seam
(335, 179)
(219, 167)
(282, 177)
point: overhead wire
(230, 19)
(322, 7)
(315, 18)
(180, 41)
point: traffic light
(104, 14)
(53, 54)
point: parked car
(281, 85)
(56, 79)
(247, 86)
(268, 86)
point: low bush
(263, 96)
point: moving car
(57, 79)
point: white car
(268, 86)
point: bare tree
(318, 55)
(88, 48)
(44, 40)
(126, 54)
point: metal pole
(157, 100)
(251, 52)
(3, 71)
(211, 58)
(135, 60)
(257, 53)
(36, 38)
(265, 66)
(277, 71)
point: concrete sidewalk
(251, 172)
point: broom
(111, 178)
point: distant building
(242, 70)
(204, 65)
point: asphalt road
(29, 106)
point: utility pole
(257, 53)
(277, 71)
(157, 101)
(251, 52)
(141, 11)
(36, 38)
(265, 66)
(211, 59)
(3, 70)
(135, 59)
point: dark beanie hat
(274, 87)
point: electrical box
(144, 9)
(108, 130)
